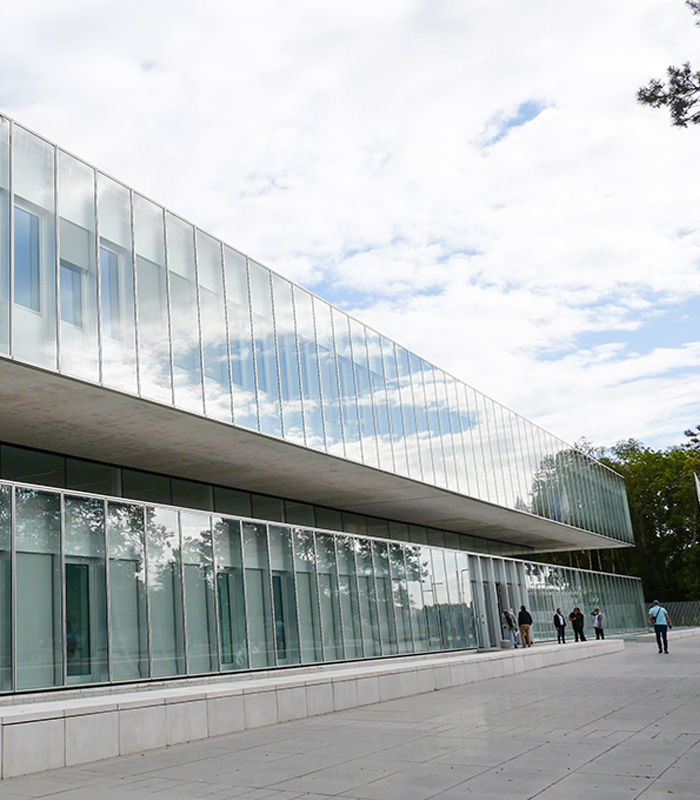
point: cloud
(474, 180)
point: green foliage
(693, 434)
(665, 517)
(681, 93)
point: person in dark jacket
(524, 623)
(560, 625)
(577, 622)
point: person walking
(662, 622)
(560, 625)
(524, 623)
(510, 626)
(577, 622)
(597, 615)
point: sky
(473, 179)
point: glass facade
(111, 574)
(97, 589)
(111, 288)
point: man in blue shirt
(662, 622)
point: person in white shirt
(597, 615)
(662, 622)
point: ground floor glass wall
(96, 590)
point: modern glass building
(205, 468)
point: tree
(681, 92)
(693, 442)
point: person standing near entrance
(577, 622)
(510, 626)
(597, 615)
(662, 622)
(560, 625)
(524, 623)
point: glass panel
(414, 581)
(421, 412)
(217, 381)
(299, 513)
(467, 600)
(380, 402)
(258, 599)
(4, 235)
(245, 409)
(393, 393)
(482, 439)
(78, 270)
(268, 508)
(32, 466)
(146, 486)
(116, 285)
(368, 434)
(471, 442)
(190, 494)
(430, 599)
(457, 439)
(400, 598)
(231, 594)
(368, 599)
(307, 594)
(409, 413)
(86, 590)
(436, 442)
(385, 602)
(152, 302)
(349, 600)
(127, 592)
(448, 444)
(328, 595)
(290, 381)
(34, 314)
(265, 350)
(198, 566)
(329, 377)
(165, 592)
(39, 637)
(284, 596)
(348, 393)
(187, 360)
(442, 599)
(5, 588)
(232, 501)
(456, 606)
(310, 377)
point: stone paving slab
(625, 725)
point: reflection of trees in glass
(84, 526)
(38, 521)
(570, 487)
(5, 516)
(163, 545)
(197, 544)
(125, 532)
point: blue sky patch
(525, 113)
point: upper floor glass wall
(110, 287)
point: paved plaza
(625, 725)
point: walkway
(625, 725)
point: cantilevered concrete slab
(43, 409)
